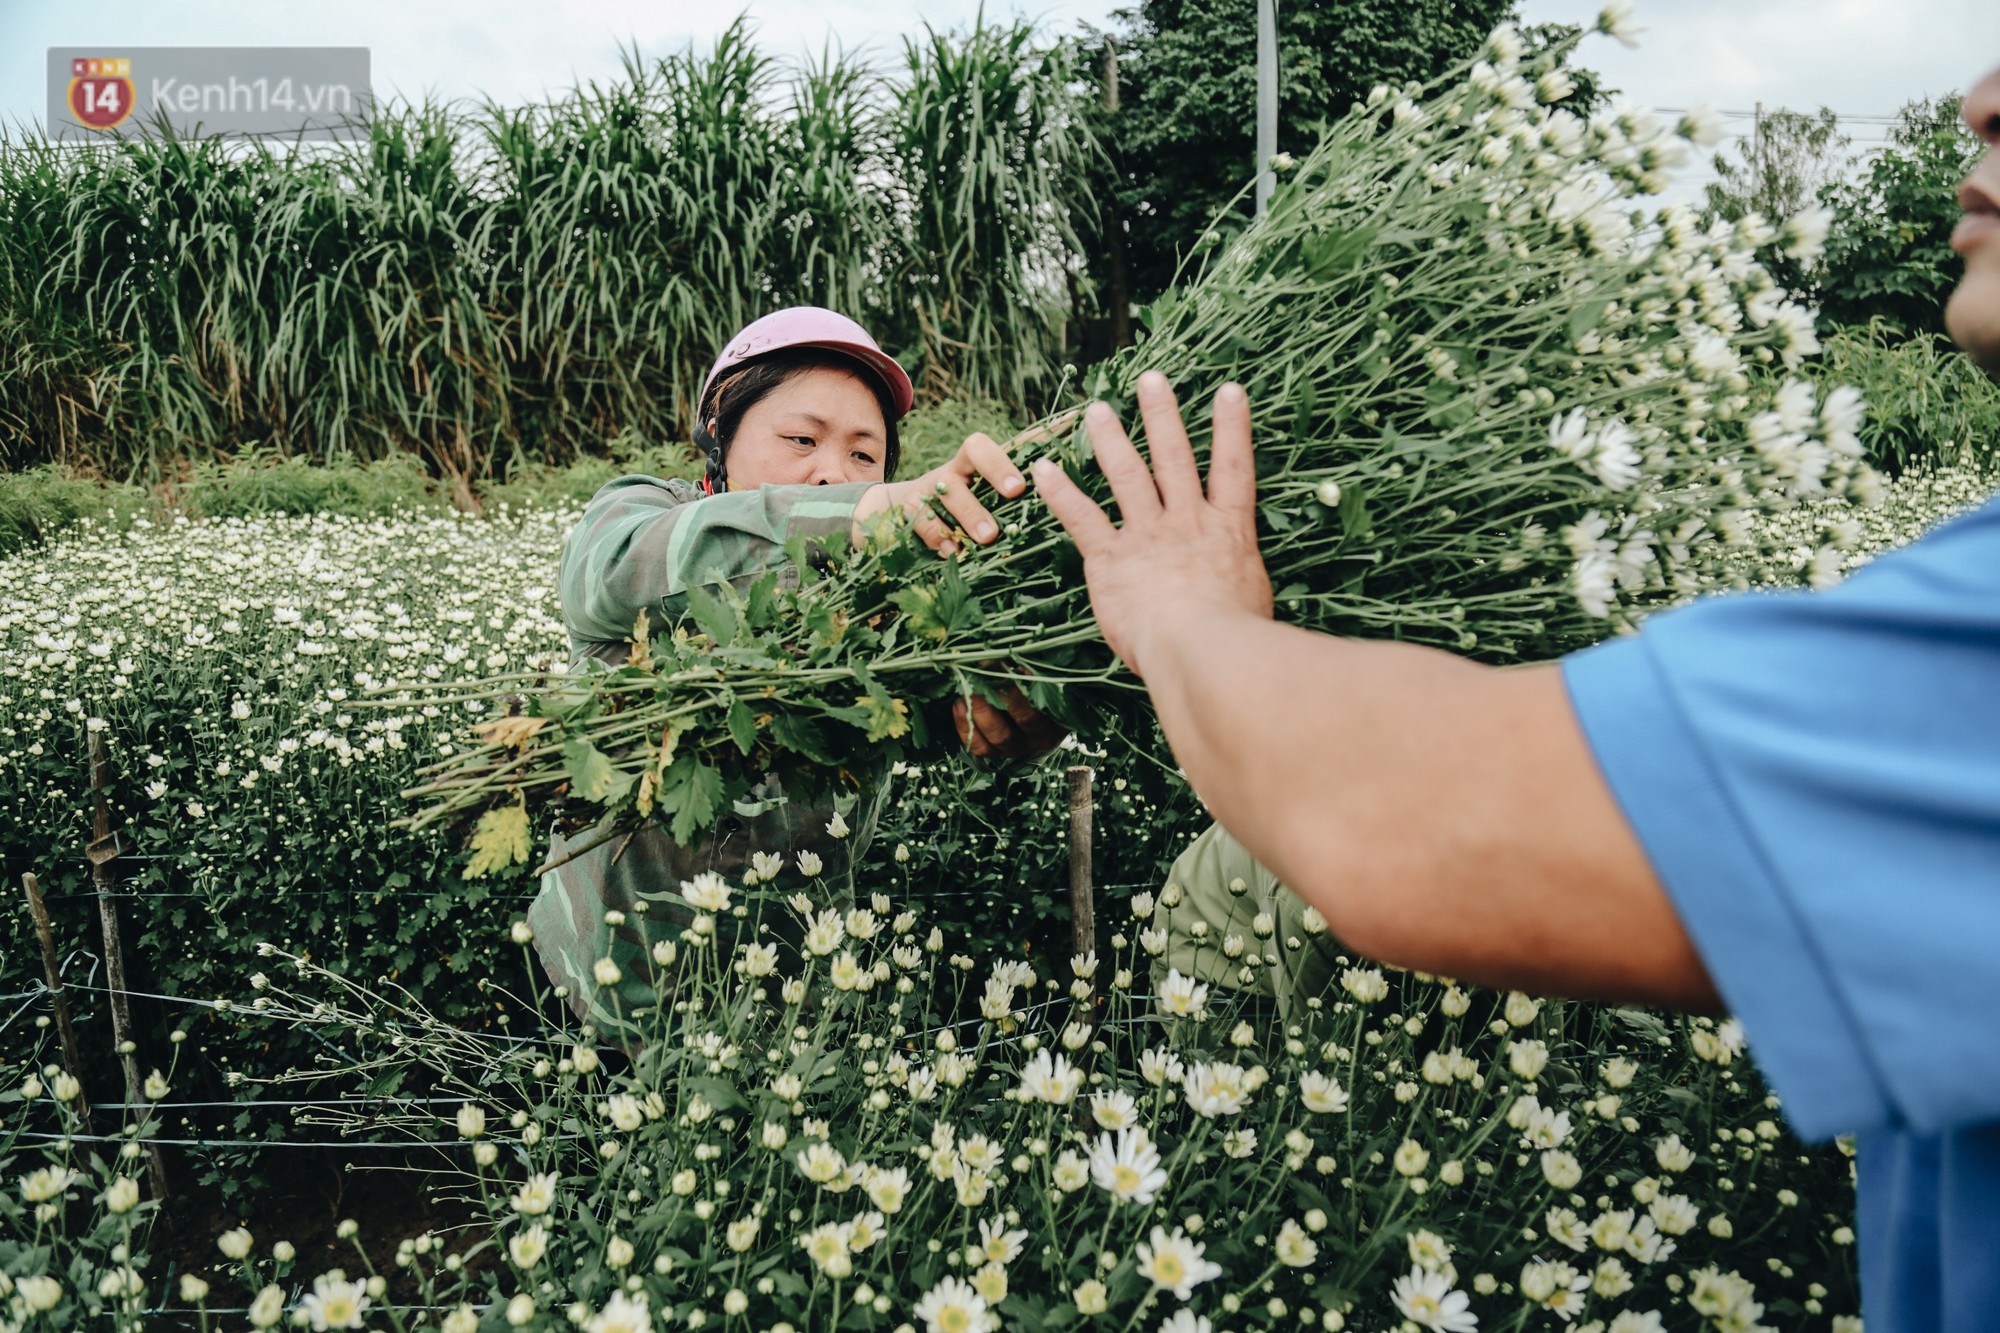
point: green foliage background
(1889, 255)
(1183, 133)
(486, 287)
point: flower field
(227, 666)
(1501, 1159)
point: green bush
(833, 1136)
(41, 503)
(290, 620)
(984, 847)
(257, 783)
(255, 787)
(1927, 404)
(37, 504)
(259, 482)
(932, 433)
(1888, 255)
(533, 485)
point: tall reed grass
(486, 286)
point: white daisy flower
(1127, 1166)
(1174, 1262)
(1321, 1094)
(1050, 1078)
(707, 891)
(622, 1314)
(537, 1195)
(954, 1306)
(1181, 997)
(1216, 1089)
(1427, 1300)
(1114, 1110)
(1615, 20)
(997, 1244)
(334, 1302)
(1182, 1320)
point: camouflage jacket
(641, 544)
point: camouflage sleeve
(642, 543)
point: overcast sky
(1861, 57)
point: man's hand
(1181, 553)
(1016, 733)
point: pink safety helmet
(813, 326)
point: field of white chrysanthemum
(810, 1134)
(845, 1123)
(828, 1142)
(811, 1139)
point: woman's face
(820, 427)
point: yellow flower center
(1421, 1304)
(954, 1319)
(1125, 1178)
(339, 1311)
(1169, 1270)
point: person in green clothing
(1222, 918)
(797, 423)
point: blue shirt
(1816, 781)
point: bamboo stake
(103, 850)
(1082, 903)
(64, 1030)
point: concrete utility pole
(1267, 100)
(1117, 276)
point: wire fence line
(376, 1144)
(924, 894)
(259, 1143)
(280, 1101)
(1024, 1017)
(194, 1312)
(1027, 1019)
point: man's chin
(1972, 316)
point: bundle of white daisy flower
(1501, 406)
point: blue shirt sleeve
(1816, 781)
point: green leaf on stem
(692, 793)
(742, 726)
(592, 776)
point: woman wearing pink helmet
(797, 421)
(804, 396)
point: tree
(1184, 130)
(1781, 167)
(1888, 253)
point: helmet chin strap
(717, 479)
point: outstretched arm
(642, 544)
(1442, 815)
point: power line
(1895, 119)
